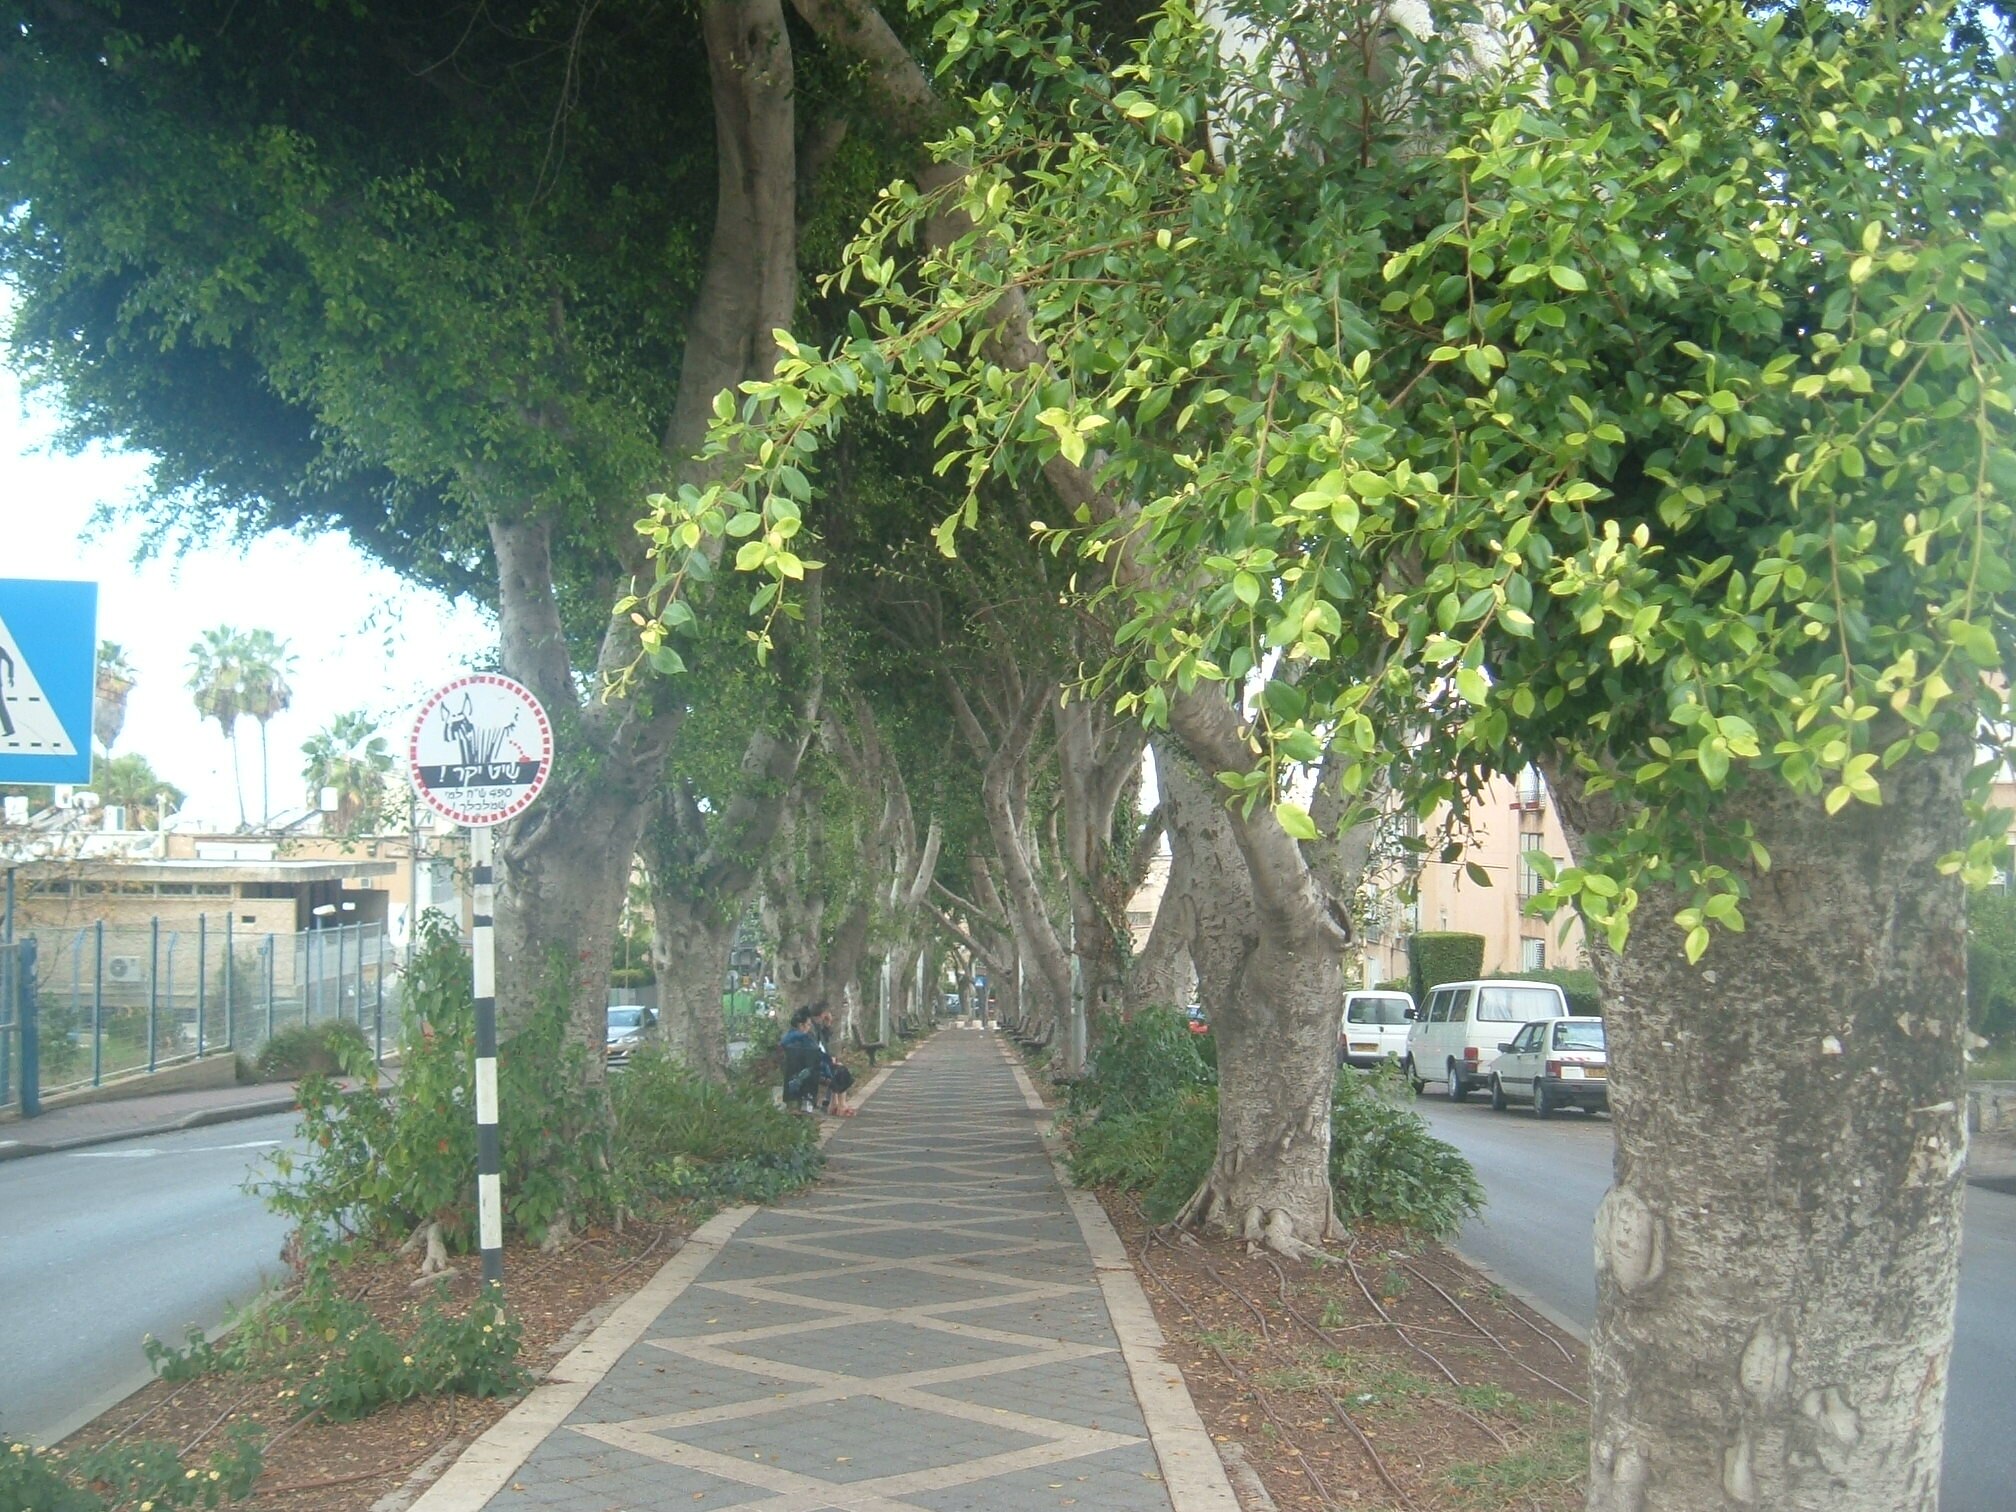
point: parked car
(1374, 1028)
(629, 1027)
(1462, 1025)
(1556, 1063)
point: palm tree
(216, 681)
(131, 783)
(264, 693)
(353, 758)
(115, 682)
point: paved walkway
(925, 1329)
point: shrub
(1438, 956)
(681, 1136)
(1143, 1061)
(632, 976)
(379, 1167)
(1394, 984)
(123, 1476)
(322, 1049)
(1578, 986)
(1385, 1166)
(1991, 963)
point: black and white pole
(489, 1150)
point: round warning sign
(481, 750)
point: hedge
(1578, 986)
(1437, 956)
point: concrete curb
(201, 1118)
(1192, 1471)
(1579, 1332)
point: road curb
(201, 1118)
(1576, 1331)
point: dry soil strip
(487, 1465)
(1191, 1469)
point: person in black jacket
(803, 1059)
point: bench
(866, 1046)
(1038, 1041)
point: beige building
(1511, 821)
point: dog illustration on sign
(479, 744)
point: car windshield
(1377, 1010)
(625, 1018)
(1517, 1005)
(1579, 1037)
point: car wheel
(1407, 1070)
(1497, 1095)
(1543, 1105)
(1457, 1091)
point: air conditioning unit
(125, 968)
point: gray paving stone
(893, 1338)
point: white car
(1374, 1028)
(1463, 1024)
(1557, 1063)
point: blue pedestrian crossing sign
(48, 673)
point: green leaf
(1567, 278)
(1472, 686)
(1295, 819)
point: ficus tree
(1629, 395)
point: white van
(1457, 1034)
(1374, 1029)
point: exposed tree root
(434, 1263)
(557, 1235)
(1262, 1228)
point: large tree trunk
(690, 945)
(1778, 1259)
(1270, 973)
(564, 866)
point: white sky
(360, 636)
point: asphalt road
(1544, 1181)
(100, 1247)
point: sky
(361, 638)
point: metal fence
(118, 999)
(14, 967)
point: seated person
(834, 1076)
(803, 1060)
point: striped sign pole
(489, 1149)
(480, 752)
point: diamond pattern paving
(922, 1331)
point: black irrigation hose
(1538, 1375)
(1252, 1387)
(1322, 1333)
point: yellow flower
(214, 1475)
(409, 1359)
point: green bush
(1143, 1061)
(1385, 1166)
(1578, 986)
(1438, 956)
(681, 1136)
(322, 1049)
(1991, 963)
(632, 976)
(379, 1167)
(1394, 984)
